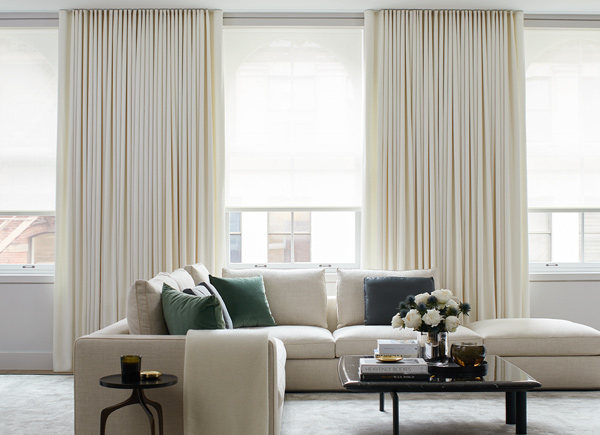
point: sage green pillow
(245, 300)
(183, 311)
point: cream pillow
(199, 273)
(295, 296)
(144, 305)
(351, 296)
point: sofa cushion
(184, 312)
(296, 297)
(350, 291)
(537, 337)
(198, 271)
(144, 307)
(182, 278)
(245, 300)
(304, 342)
(362, 339)
(207, 289)
(383, 294)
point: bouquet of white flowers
(435, 312)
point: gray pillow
(206, 289)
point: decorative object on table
(410, 369)
(130, 368)
(150, 374)
(468, 354)
(388, 358)
(397, 347)
(449, 369)
(432, 315)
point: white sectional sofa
(315, 330)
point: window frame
(562, 21)
(37, 20)
(330, 267)
(265, 19)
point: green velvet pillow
(245, 300)
(183, 311)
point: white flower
(452, 304)
(451, 323)
(412, 319)
(442, 296)
(421, 298)
(432, 317)
(397, 321)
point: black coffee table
(137, 396)
(501, 376)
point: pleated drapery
(139, 158)
(445, 160)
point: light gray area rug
(43, 404)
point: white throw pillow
(295, 296)
(199, 273)
(144, 305)
(351, 295)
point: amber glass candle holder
(467, 354)
(131, 366)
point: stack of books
(403, 348)
(409, 369)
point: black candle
(130, 368)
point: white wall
(26, 313)
(574, 297)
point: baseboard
(25, 360)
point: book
(370, 377)
(412, 366)
(396, 347)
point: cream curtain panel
(445, 162)
(139, 159)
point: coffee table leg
(521, 412)
(511, 407)
(394, 395)
(382, 402)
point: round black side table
(137, 396)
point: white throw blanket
(225, 389)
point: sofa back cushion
(350, 291)
(296, 296)
(383, 295)
(199, 273)
(144, 306)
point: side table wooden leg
(158, 408)
(107, 411)
(382, 402)
(142, 403)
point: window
(28, 109)
(563, 147)
(294, 145)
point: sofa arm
(119, 328)
(98, 355)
